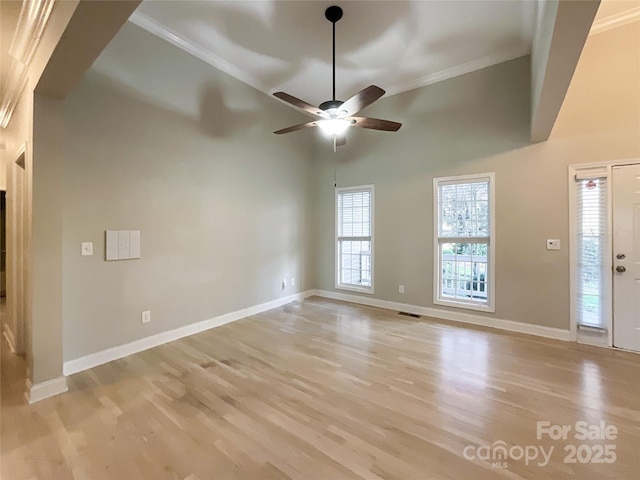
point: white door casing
(626, 256)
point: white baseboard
(9, 337)
(42, 390)
(93, 360)
(509, 325)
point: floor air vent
(407, 314)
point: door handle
(620, 256)
(620, 269)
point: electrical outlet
(293, 281)
(87, 249)
(400, 288)
(284, 283)
(146, 316)
(553, 244)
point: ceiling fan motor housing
(332, 107)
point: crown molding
(31, 22)
(16, 81)
(26, 38)
(614, 21)
(463, 68)
(159, 29)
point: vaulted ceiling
(286, 45)
(398, 45)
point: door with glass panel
(626, 256)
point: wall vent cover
(412, 315)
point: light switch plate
(134, 243)
(553, 244)
(123, 244)
(111, 245)
(87, 249)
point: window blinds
(593, 249)
(355, 237)
(354, 214)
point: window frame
(605, 240)
(338, 284)
(438, 299)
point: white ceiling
(397, 45)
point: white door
(626, 257)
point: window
(593, 279)
(354, 238)
(464, 241)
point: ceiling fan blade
(341, 140)
(300, 104)
(295, 128)
(362, 99)
(376, 124)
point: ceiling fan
(334, 117)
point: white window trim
(574, 170)
(491, 251)
(338, 286)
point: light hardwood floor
(326, 390)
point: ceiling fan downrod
(333, 14)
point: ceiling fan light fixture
(334, 126)
(335, 116)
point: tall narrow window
(464, 241)
(592, 249)
(354, 238)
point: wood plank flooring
(326, 390)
